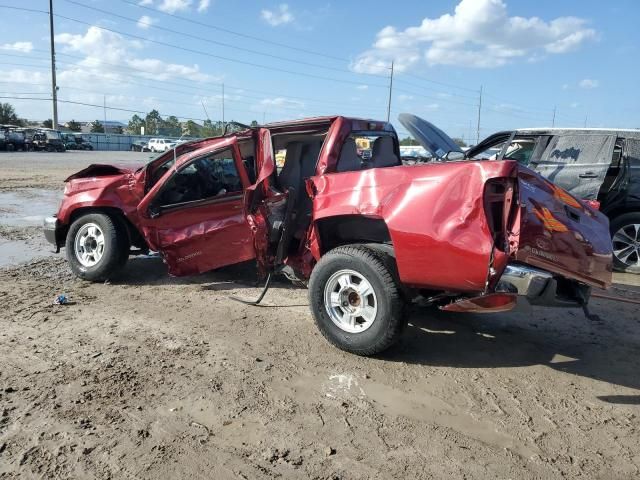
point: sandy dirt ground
(156, 377)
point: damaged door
(560, 234)
(194, 216)
(257, 199)
(577, 162)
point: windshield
(52, 135)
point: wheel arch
(134, 236)
(339, 230)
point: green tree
(8, 115)
(254, 123)
(135, 125)
(74, 126)
(210, 129)
(97, 127)
(172, 126)
(192, 129)
(408, 141)
(460, 142)
(48, 123)
(154, 122)
(117, 129)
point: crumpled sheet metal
(435, 215)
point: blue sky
(325, 58)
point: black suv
(598, 165)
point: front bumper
(542, 288)
(53, 232)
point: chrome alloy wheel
(626, 245)
(89, 244)
(350, 301)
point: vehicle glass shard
(578, 163)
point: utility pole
(223, 107)
(585, 121)
(54, 87)
(553, 119)
(104, 108)
(390, 92)
(479, 116)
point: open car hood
(429, 136)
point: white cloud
(405, 98)
(280, 16)
(589, 83)
(574, 105)
(432, 106)
(203, 5)
(102, 49)
(24, 47)
(145, 22)
(145, 2)
(173, 6)
(281, 102)
(479, 34)
(565, 86)
(362, 87)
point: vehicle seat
(349, 159)
(290, 175)
(309, 161)
(383, 154)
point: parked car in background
(81, 143)
(414, 154)
(140, 146)
(48, 140)
(13, 138)
(161, 144)
(368, 234)
(69, 141)
(601, 166)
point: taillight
(595, 204)
(500, 205)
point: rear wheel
(356, 301)
(625, 232)
(97, 246)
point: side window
(207, 177)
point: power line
(232, 32)
(200, 52)
(198, 88)
(216, 42)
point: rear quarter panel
(434, 213)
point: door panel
(194, 215)
(577, 163)
(199, 238)
(558, 233)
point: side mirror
(452, 156)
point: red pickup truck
(368, 235)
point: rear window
(362, 150)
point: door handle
(588, 175)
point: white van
(161, 144)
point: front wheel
(97, 247)
(625, 232)
(356, 301)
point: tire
(368, 334)
(107, 261)
(625, 229)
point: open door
(256, 200)
(561, 234)
(194, 214)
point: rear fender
(435, 215)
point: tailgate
(560, 234)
